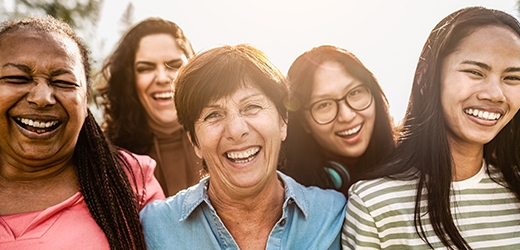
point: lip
(162, 98)
(251, 159)
(482, 112)
(352, 138)
(34, 135)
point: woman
(230, 102)
(140, 113)
(339, 125)
(62, 185)
(454, 180)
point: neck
(467, 160)
(164, 128)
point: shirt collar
(198, 194)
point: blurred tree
(127, 18)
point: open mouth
(37, 126)
(484, 115)
(243, 156)
(168, 95)
(350, 132)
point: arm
(359, 228)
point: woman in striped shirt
(453, 182)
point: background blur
(387, 36)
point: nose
(237, 127)
(345, 113)
(41, 94)
(165, 75)
(492, 91)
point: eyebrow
(487, 67)
(21, 67)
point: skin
(41, 79)
(247, 193)
(332, 81)
(482, 74)
(154, 78)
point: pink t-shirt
(69, 224)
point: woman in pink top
(62, 185)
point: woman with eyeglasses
(339, 125)
(140, 113)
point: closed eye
(16, 79)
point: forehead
(158, 45)
(42, 50)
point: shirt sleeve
(359, 228)
(146, 185)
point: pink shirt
(69, 224)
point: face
(156, 64)
(480, 85)
(349, 134)
(239, 137)
(44, 97)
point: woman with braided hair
(62, 184)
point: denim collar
(199, 193)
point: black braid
(106, 187)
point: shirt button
(282, 223)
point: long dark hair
(100, 167)
(305, 158)
(125, 121)
(428, 158)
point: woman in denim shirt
(230, 101)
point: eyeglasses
(325, 111)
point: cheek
(142, 82)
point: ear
(283, 128)
(195, 148)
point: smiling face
(156, 64)
(239, 137)
(44, 97)
(480, 86)
(349, 134)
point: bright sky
(387, 36)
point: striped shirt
(380, 215)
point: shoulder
(383, 191)
(141, 176)
(313, 198)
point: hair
(305, 157)
(100, 168)
(125, 121)
(420, 155)
(221, 71)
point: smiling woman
(454, 179)
(230, 100)
(140, 113)
(60, 179)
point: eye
(144, 69)
(473, 72)
(252, 109)
(322, 105)
(212, 116)
(16, 79)
(512, 79)
(174, 64)
(64, 84)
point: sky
(386, 35)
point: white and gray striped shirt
(380, 215)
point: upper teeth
(163, 95)
(486, 115)
(351, 131)
(37, 124)
(243, 154)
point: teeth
(484, 115)
(163, 95)
(350, 131)
(243, 156)
(37, 124)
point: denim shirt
(311, 219)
